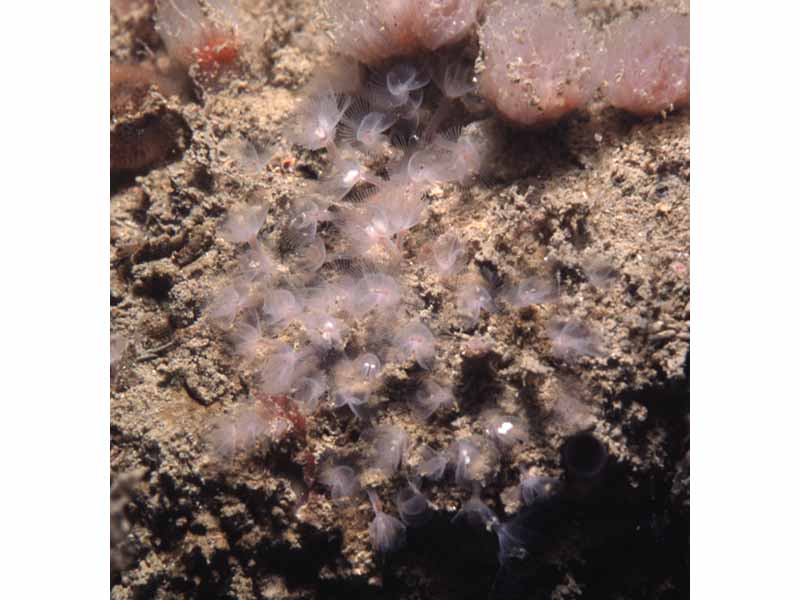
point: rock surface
(601, 201)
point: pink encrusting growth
(206, 34)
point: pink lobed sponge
(376, 30)
(537, 61)
(647, 66)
